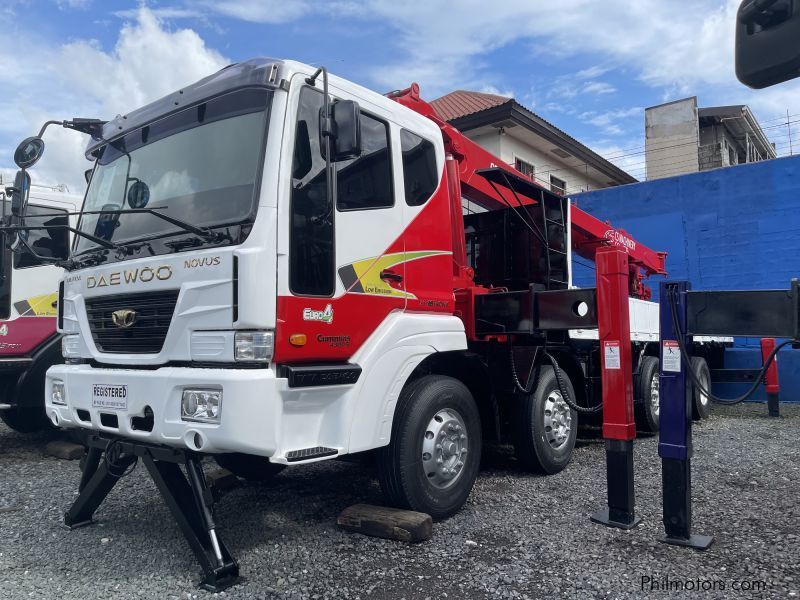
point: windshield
(200, 165)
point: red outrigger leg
(619, 428)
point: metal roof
(467, 110)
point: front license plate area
(113, 397)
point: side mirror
(138, 194)
(345, 125)
(767, 51)
(29, 152)
(19, 193)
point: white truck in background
(29, 342)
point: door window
(311, 255)
(420, 176)
(366, 182)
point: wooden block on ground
(65, 450)
(222, 479)
(385, 522)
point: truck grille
(154, 312)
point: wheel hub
(444, 448)
(557, 420)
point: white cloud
(81, 79)
(257, 11)
(598, 87)
(612, 122)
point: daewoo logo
(144, 275)
(124, 318)
(620, 239)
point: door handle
(388, 275)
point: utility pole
(789, 127)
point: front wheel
(545, 427)
(26, 419)
(432, 460)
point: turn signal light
(298, 339)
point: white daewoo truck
(274, 269)
(29, 342)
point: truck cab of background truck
(29, 342)
(288, 328)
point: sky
(588, 67)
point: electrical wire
(672, 300)
(110, 458)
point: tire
(646, 407)
(26, 420)
(249, 466)
(436, 418)
(701, 404)
(539, 445)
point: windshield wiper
(205, 233)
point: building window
(420, 176)
(559, 186)
(366, 181)
(525, 168)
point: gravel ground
(519, 536)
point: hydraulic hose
(672, 300)
(559, 381)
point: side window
(43, 241)
(366, 181)
(311, 238)
(420, 175)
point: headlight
(201, 405)
(71, 346)
(253, 345)
(58, 393)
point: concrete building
(526, 141)
(682, 138)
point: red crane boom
(468, 160)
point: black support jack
(188, 497)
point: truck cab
(281, 324)
(29, 342)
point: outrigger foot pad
(187, 497)
(698, 542)
(623, 522)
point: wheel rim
(557, 420)
(704, 399)
(655, 407)
(444, 448)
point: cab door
(346, 263)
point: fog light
(253, 345)
(201, 405)
(58, 393)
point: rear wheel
(647, 396)
(249, 466)
(432, 460)
(545, 426)
(701, 403)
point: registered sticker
(611, 353)
(671, 357)
(114, 397)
